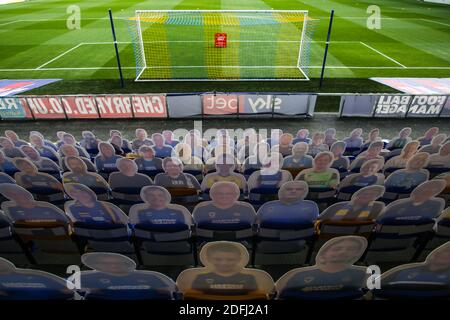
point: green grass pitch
(414, 39)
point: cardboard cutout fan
(224, 276)
(334, 276)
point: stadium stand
(280, 201)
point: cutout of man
(354, 140)
(368, 175)
(224, 211)
(334, 276)
(157, 213)
(441, 159)
(435, 145)
(114, 277)
(29, 177)
(428, 136)
(147, 160)
(162, 150)
(412, 175)
(174, 177)
(291, 210)
(362, 206)
(407, 152)
(317, 144)
(68, 150)
(299, 158)
(22, 207)
(27, 284)
(321, 175)
(271, 176)
(11, 135)
(421, 206)
(224, 274)
(9, 150)
(302, 136)
(43, 164)
(401, 140)
(339, 161)
(6, 163)
(128, 178)
(69, 139)
(78, 174)
(374, 135)
(169, 138)
(373, 152)
(141, 139)
(225, 165)
(330, 137)
(426, 280)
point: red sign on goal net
(220, 40)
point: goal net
(221, 44)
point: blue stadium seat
(163, 237)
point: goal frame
(140, 47)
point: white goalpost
(205, 45)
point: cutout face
(25, 166)
(146, 152)
(323, 161)
(404, 133)
(17, 194)
(338, 148)
(172, 166)
(427, 190)
(224, 257)
(367, 195)
(69, 150)
(111, 263)
(80, 193)
(225, 164)
(375, 148)
(224, 194)
(439, 139)
(374, 135)
(303, 133)
(30, 152)
(410, 149)
(106, 149)
(75, 165)
(127, 166)
(141, 134)
(417, 162)
(318, 138)
(293, 191)
(371, 167)
(300, 149)
(156, 197)
(341, 252)
(158, 139)
(445, 149)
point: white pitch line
(432, 21)
(381, 53)
(62, 54)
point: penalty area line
(384, 55)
